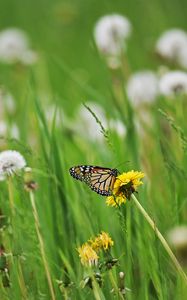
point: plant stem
(115, 286)
(13, 238)
(41, 243)
(96, 290)
(21, 281)
(11, 197)
(161, 238)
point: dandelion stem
(11, 197)
(12, 240)
(161, 238)
(41, 244)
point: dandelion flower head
(173, 83)
(110, 32)
(102, 242)
(88, 255)
(10, 162)
(142, 87)
(125, 184)
(172, 45)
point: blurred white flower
(85, 124)
(54, 113)
(110, 33)
(118, 127)
(9, 131)
(7, 102)
(14, 47)
(178, 237)
(143, 122)
(14, 131)
(10, 162)
(142, 87)
(173, 83)
(3, 128)
(172, 45)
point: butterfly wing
(99, 179)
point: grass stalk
(161, 238)
(22, 281)
(41, 244)
(115, 286)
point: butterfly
(100, 180)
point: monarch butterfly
(99, 179)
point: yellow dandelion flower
(105, 240)
(124, 186)
(95, 244)
(102, 241)
(88, 255)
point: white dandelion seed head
(14, 45)
(178, 237)
(85, 124)
(172, 45)
(118, 127)
(142, 87)
(110, 33)
(10, 162)
(173, 83)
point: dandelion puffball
(177, 237)
(142, 87)
(10, 162)
(173, 83)
(110, 33)
(14, 47)
(172, 45)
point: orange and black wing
(99, 179)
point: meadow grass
(41, 230)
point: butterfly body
(99, 179)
